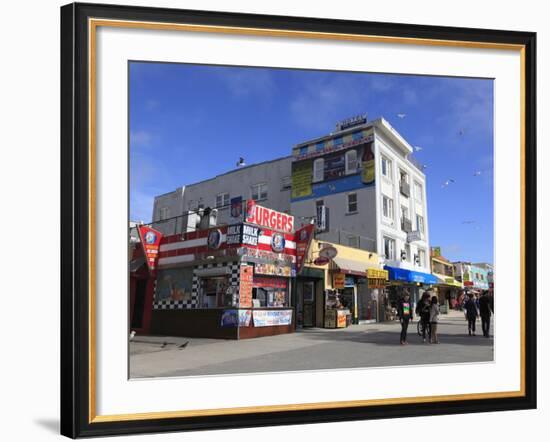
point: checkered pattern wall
(169, 304)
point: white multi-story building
(268, 183)
(375, 194)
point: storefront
(229, 282)
(352, 280)
(447, 290)
(415, 282)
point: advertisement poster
(236, 209)
(230, 318)
(245, 316)
(303, 239)
(367, 163)
(267, 318)
(150, 241)
(272, 269)
(245, 291)
(302, 176)
(175, 284)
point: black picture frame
(76, 405)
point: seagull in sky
(241, 162)
(477, 173)
(468, 222)
(461, 132)
(417, 148)
(401, 115)
(446, 183)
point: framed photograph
(273, 220)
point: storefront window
(215, 292)
(269, 297)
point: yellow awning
(447, 280)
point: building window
(222, 200)
(303, 150)
(164, 213)
(420, 223)
(286, 183)
(386, 168)
(353, 241)
(421, 258)
(338, 141)
(318, 170)
(352, 202)
(389, 248)
(320, 146)
(356, 136)
(418, 192)
(351, 161)
(259, 191)
(387, 207)
(319, 203)
(408, 252)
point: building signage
(343, 146)
(436, 251)
(272, 269)
(257, 255)
(277, 243)
(303, 240)
(268, 318)
(264, 281)
(150, 242)
(245, 285)
(321, 220)
(242, 234)
(350, 122)
(321, 261)
(302, 177)
(245, 316)
(264, 217)
(339, 280)
(230, 318)
(367, 163)
(214, 239)
(414, 236)
(377, 274)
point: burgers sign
(269, 218)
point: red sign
(278, 283)
(303, 239)
(150, 241)
(262, 216)
(245, 289)
(321, 261)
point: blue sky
(190, 122)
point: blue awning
(397, 274)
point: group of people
(428, 312)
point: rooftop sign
(350, 122)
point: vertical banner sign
(339, 280)
(150, 241)
(303, 239)
(245, 290)
(367, 162)
(321, 221)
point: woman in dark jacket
(470, 310)
(404, 312)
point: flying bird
(132, 334)
(477, 173)
(417, 148)
(401, 115)
(461, 132)
(241, 162)
(468, 222)
(446, 183)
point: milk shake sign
(271, 219)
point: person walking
(485, 312)
(404, 312)
(434, 319)
(471, 313)
(423, 310)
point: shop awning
(351, 266)
(446, 280)
(397, 274)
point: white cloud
(140, 138)
(247, 82)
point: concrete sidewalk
(369, 345)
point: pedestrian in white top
(434, 319)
